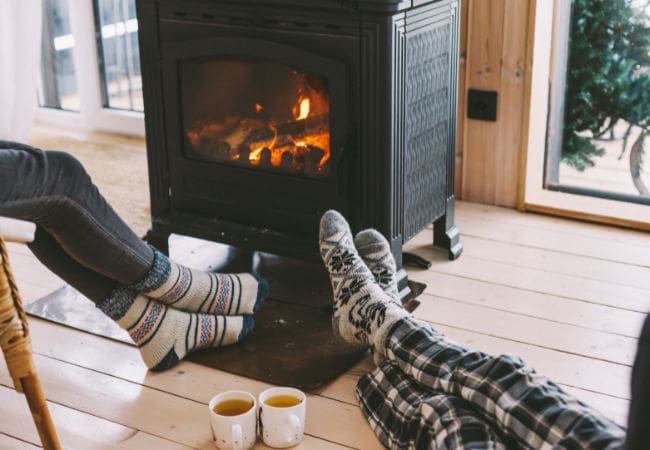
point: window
(120, 57)
(90, 66)
(58, 87)
(554, 182)
(600, 107)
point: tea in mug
(232, 407)
(283, 401)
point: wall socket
(482, 105)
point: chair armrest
(13, 230)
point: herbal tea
(283, 401)
(232, 407)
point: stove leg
(402, 277)
(158, 239)
(403, 285)
(445, 233)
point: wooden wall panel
(462, 97)
(494, 58)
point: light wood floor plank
(22, 249)
(8, 442)
(592, 291)
(562, 263)
(604, 233)
(564, 243)
(534, 304)
(27, 267)
(528, 330)
(29, 292)
(77, 430)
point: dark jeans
(78, 236)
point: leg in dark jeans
(162, 334)
(53, 190)
(81, 238)
(93, 285)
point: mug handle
(237, 436)
(295, 423)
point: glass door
(589, 112)
(599, 121)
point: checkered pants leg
(528, 410)
(404, 415)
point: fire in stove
(292, 139)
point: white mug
(234, 432)
(282, 427)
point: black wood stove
(262, 114)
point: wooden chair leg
(17, 350)
(31, 386)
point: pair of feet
(363, 275)
(191, 310)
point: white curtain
(20, 54)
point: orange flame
(258, 107)
(302, 109)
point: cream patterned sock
(363, 312)
(200, 291)
(165, 335)
(374, 249)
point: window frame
(93, 115)
(537, 197)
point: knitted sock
(363, 312)
(165, 335)
(374, 249)
(200, 291)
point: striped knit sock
(165, 335)
(363, 312)
(374, 249)
(200, 291)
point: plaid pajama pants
(431, 393)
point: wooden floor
(566, 296)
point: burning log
(244, 152)
(265, 159)
(296, 147)
(286, 164)
(290, 131)
(312, 160)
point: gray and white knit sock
(363, 312)
(374, 249)
(165, 335)
(199, 291)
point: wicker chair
(16, 344)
